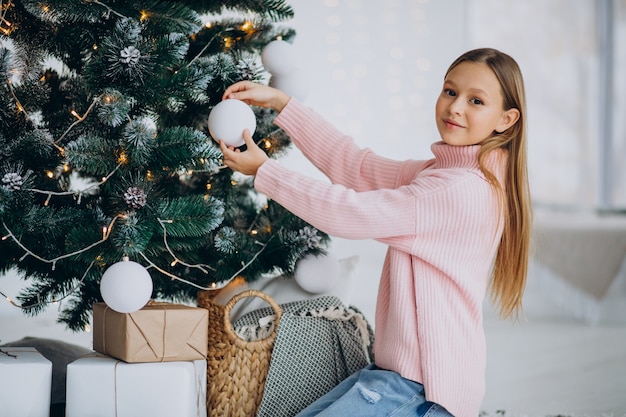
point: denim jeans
(375, 392)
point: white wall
(375, 69)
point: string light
(19, 106)
(50, 175)
(202, 267)
(79, 118)
(213, 286)
(53, 261)
(4, 9)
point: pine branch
(276, 10)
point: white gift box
(25, 383)
(101, 386)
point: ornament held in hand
(126, 286)
(228, 119)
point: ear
(508, 119)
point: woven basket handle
(228, 326)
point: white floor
(550, 364)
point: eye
(476, 101)
(449, 92)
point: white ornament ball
(228, 119)
(278, 57)
(292, 84)
(126, 286)
(317, 274)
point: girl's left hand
(247, 162)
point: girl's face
(470, 106)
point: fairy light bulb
(122, 158)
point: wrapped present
(27, 380)
(159, 332)
(101, 386)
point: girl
(453, 224)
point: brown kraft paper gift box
(159, 332)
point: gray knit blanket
(319, 343)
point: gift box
(159, 332)
(102, 386)
(26, 381)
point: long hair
(511, 264)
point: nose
(456, 106)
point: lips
(451, 124)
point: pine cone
(13, 181)
(135, 197)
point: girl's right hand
(257, 95)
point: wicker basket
(236, 369)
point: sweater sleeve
(338, 157)
(433, 207)
(338, 210)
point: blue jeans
(375, 392)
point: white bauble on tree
(317, 274)
(292, 84)
(278, 57)
(228, 119)
(126, 286)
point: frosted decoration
(126, 286)
(278, 57)
(292, 84)
(317, 274)
(228, 119)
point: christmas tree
(106, 153)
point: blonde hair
(511, 264)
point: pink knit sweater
(439, 218)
